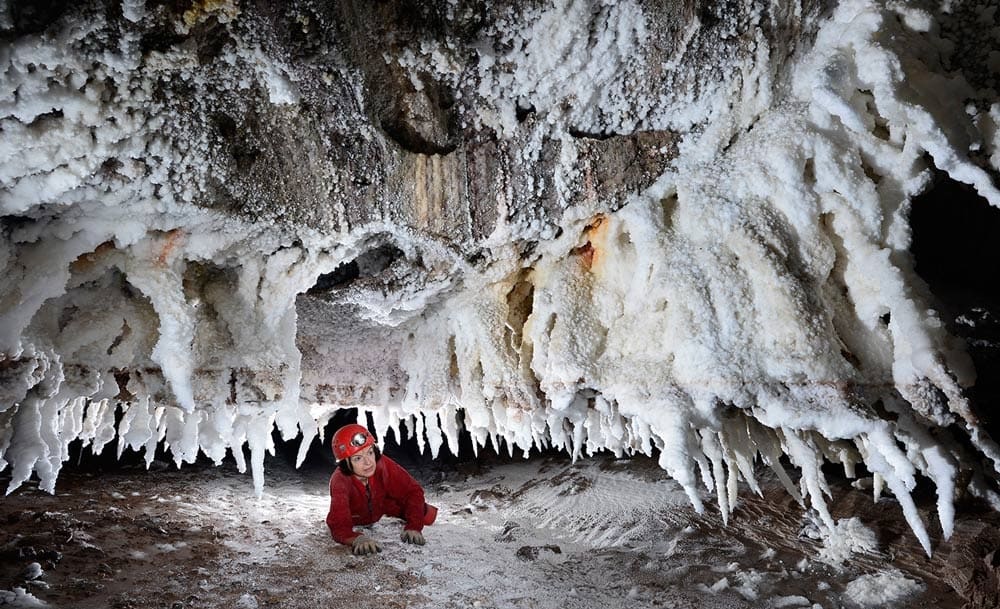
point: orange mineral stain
(593, 248)
(170, 243)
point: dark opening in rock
(368, 264)
(958, 255)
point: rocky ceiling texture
(676, 228)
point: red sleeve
(339, 517)
(401, 486)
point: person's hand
(363, 544)
(413, 537)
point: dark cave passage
(957, 252)
(319, 458)
(955, 244)
(406, 451)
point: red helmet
(350, 440)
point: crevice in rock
(592, 135)
(522, 112)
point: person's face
(363, 463)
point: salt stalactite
(164, 288)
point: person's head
(354, 449)
(362, 463)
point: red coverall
(391, 491)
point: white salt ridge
(788, 601)
(714, 322)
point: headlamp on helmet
(350, 440)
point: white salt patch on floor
(247, 601)
(882, 589)
(19, 598)
(850, 536)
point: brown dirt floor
(197, 538)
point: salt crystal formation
(587, 225)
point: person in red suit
(368, 485)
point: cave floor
(539, 533)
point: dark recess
(34, 16)
(368, 264)
(422, 465)
(957, 252)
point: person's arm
(402, 487)
(339, 517)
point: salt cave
(672, 230)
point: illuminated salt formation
(757, 299)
